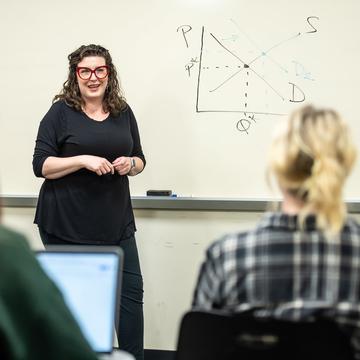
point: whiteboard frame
(178, 203)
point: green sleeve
(35, 323)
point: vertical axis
(198, 84)
(247, 89)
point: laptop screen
(89, 282)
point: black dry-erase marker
(159, 193)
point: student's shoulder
(238, 241)
(12, 242)
(230, 242)
(9, 236)
(17, 260)
(352, 226)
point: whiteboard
(207, 79)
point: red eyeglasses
(101, 72)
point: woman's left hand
(122, 165)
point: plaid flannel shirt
(280, 271)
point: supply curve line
(262, 54)
(240, 31)
(198, 88)
(265, 53)
(247, 66)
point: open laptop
(89, 278)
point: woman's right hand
(97, 164)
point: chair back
(218, 336)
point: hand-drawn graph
(237, 75)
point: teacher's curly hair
(113, 102)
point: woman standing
(87, 145)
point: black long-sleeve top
(83, 206)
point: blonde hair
(311, 158)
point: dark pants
(130, 332)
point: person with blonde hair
(303, 260)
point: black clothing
(84, 208)
(131, 326)
(82, 205)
